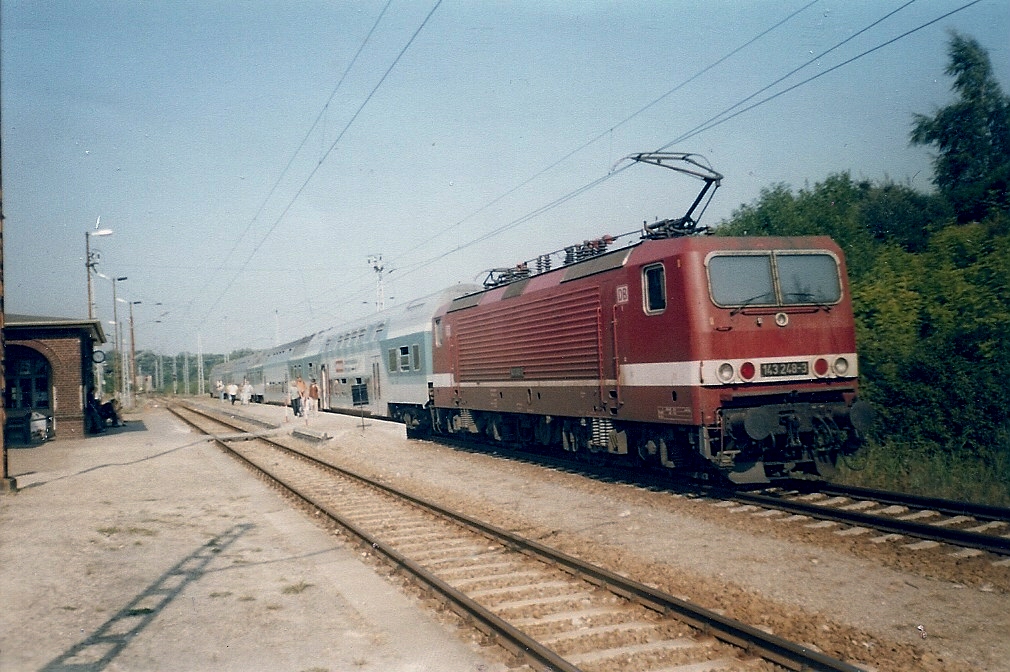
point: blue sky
(246, 201)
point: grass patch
(110, 530)
(225, 593)
(925, 470)
(296, 588)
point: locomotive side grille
(555, 337)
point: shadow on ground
(99, 649)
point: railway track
(550, 610)
(971, 528)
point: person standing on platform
(246, 392)
(303, 394)
(313, 396)
(294, 398)
(232, 392)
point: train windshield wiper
(747, 303)
(807, 297)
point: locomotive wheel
(495, 429)
(568, 440)
(647, 451)
(573, 438)
(526, 433)
(543, 432)
(825, 454)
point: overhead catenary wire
(716, 120)
(599, 136)
(712, 122)
(316, 168)
(356, 295)
(308, 133)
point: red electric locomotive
(685, 352)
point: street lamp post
(90, 263)
(133, 348)
(120, 375)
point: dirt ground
(147, 548)
(867, 603)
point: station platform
(148, 548)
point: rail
(775, 649)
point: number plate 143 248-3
(772, 369)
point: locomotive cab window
(808, 278)
(786, 278)
(654, 289)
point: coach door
(324, 388)
(376, 378)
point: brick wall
(65, 355)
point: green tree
(972, 135)
(831, 208)
(898, 214)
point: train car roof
(403, 319)
(644, 251)
(399, 320)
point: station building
(49, 367)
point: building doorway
(29, 380)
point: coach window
(394, 360)
(415, 357)
(654, 286)
(404, 358)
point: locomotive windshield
(784, 278)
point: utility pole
(133, 350)
(7, 482)
(376, 261)
(91, 260)
(199, 365)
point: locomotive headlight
(725, 372)
(841, 366)
(747, 370)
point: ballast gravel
(883, 606)
(101, 521)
